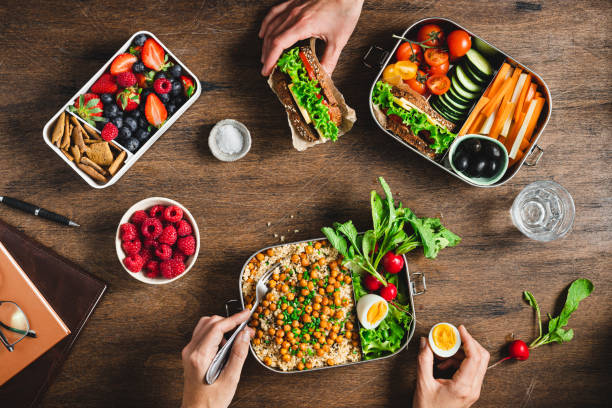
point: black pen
(37, 211)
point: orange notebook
(50, 329)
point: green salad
(307, 93)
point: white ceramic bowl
(217, 152)
(144, 205)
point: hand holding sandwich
(332, 21)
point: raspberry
(146, 254)
(150, 243)
(138, 217)
(126, 79)
(131, 247)
(187, 245)
(133, 263)
(162, 86)
(152, 268)
(168, 236)
(157, 211)
(163, 252)
(172, 268)
(128, 232)
(179, 256)
(109, 132)
(184, 228)
(173, 214)
(151, 228)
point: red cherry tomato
(418, 84)
(438, 70)
(430, 34)
(371, 283)
(409, 52)
(435, 57)
(438, 84)
(392, 263)
(459, 43)
(388, 292)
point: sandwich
(316, 111)
(408, 115)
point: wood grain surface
(129, 353)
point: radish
(517, 350)
(371, 283)
(392, 263)
(388, 292)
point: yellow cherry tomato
(407, 69)
(392, 75)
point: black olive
(476, 166)
(491, 168)
(492, 150)
(461, 161)
(473, 145)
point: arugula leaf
(433, 235)
(337, 241)
(349, 230)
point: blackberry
(171, 108)
(165, 98)
(142, 135)
(132, 144)
(160, 74)
(177, 88)
(101, 123)
(175, 71)
(130, 123)
(138, 67)
(111, 111)
(125, 133)
(139, 40)
(117, 121)
(107, 99)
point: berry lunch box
(110, 162)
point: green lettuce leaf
(415, 120)
(433, 235)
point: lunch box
(131, 158)
(412, 291)
(377, 57)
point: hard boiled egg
(444, 340)
(371, 310)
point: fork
(222, 355)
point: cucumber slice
(460, 107)
(484, 48)
(464, 93)
(443, 103)
(446, 114)
(455, 96)
(466, 82)
(479, 62)
(473, 74)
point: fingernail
(245, 336)
(423, 342)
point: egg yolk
(376, 312)
(444, 337)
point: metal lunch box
(530, 158)
(410, 284)
(131, 158)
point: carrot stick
(522, 96)
(518, 158)
(501, 117)
(501, 76)
(508, 86)
(478, 123)
(524, 144)
(479, 105)
(530, 95)
(514, 129)
(534, 119)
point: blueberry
(138, 67)
(130, 123)
(117, 121)
(135, 114)
(132, 144)
(110, 111)
(101, 123)
(139, 40)
(142, 123)
(125, 133)
(165, 98)
(171, 108)
(107, 99)
(177, 88)
(142, 135)
(144, 94)
(175, 71)
(160, 74)
(179, 100)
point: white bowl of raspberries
(157, 241)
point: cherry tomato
(406, 69)
(441, 69)
(438, 84)
(459, 43)
(430, 34)
(392, 263)
(388, 292)
(392, 75)
(409, 52)
(435, 57)
(418, 84)
(371, 283)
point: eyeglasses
(14, 325)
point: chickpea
(318, 299)
(275, 276)
(286, 344)
(286, 358)
(331, 281)
(290, 296)
(300, 366)
(340, 339)
(301, 299)
(334, 273)
(260, 257)
(310, 286)
(282, 276)
(290, 309)
(330, 341)
(321, 340)
(321, 261)
(337, 302)
(308, 365)
(300, 276)
(305, 262)
(306, 318)
(349, 326)
(267, 311)
(272, 283)
(284, 306)
(324, 242)
(267, 361)
(290, 335)
(303, 282)
(333, 265)
(308, 309)
(309, 250)
(254, 323)
(260, 334)
(293, 342)
(320, 353)
(339, 314)
(251, 266)
(325, 301)
(284, 351)
(271, 331)
(294, 347)
(337, 284)
(324, 317)
(306, 337)
(250, 280)
(303, 346)
(326, 310)
(259, 309)
(256, 342)
(333, 336)
(321, 291)
(304, 292)
(335, 328)
(295, 324)
(348, 334)
(279, 322)
(278, 340)
(355, 336)
(340, 277)
(317, 334)
(317, 245)
(295, 258)
(330, 362)
(314, 275)
(299, 354)
(269, 297)
(273, 306)
(287, 327)
(255, 315)
(355, 343)
(329, 288)
(324, 324)
(280, 333)
(270, 252)
(321, 283)
(315, 314)
(249, 306)
(337, 295)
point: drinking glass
(543, 211)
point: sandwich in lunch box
(316, 110)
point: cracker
(58, 131)
(92, 173)
(100, 154)
(118, 161)
(76, 153)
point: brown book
(70, 291)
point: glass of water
(543, 211)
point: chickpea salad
(308, 318)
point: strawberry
(122, 63)
(188, 86)
(153, 56)
(104, 84)
(155, 111)
(129, 99)
(89, 107)
(126, 79)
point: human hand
(206, 340)
(332, 21)
(464, 388)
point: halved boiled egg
(371, 311)
(444, 340)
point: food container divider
(131, 158)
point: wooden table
(129, 354)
